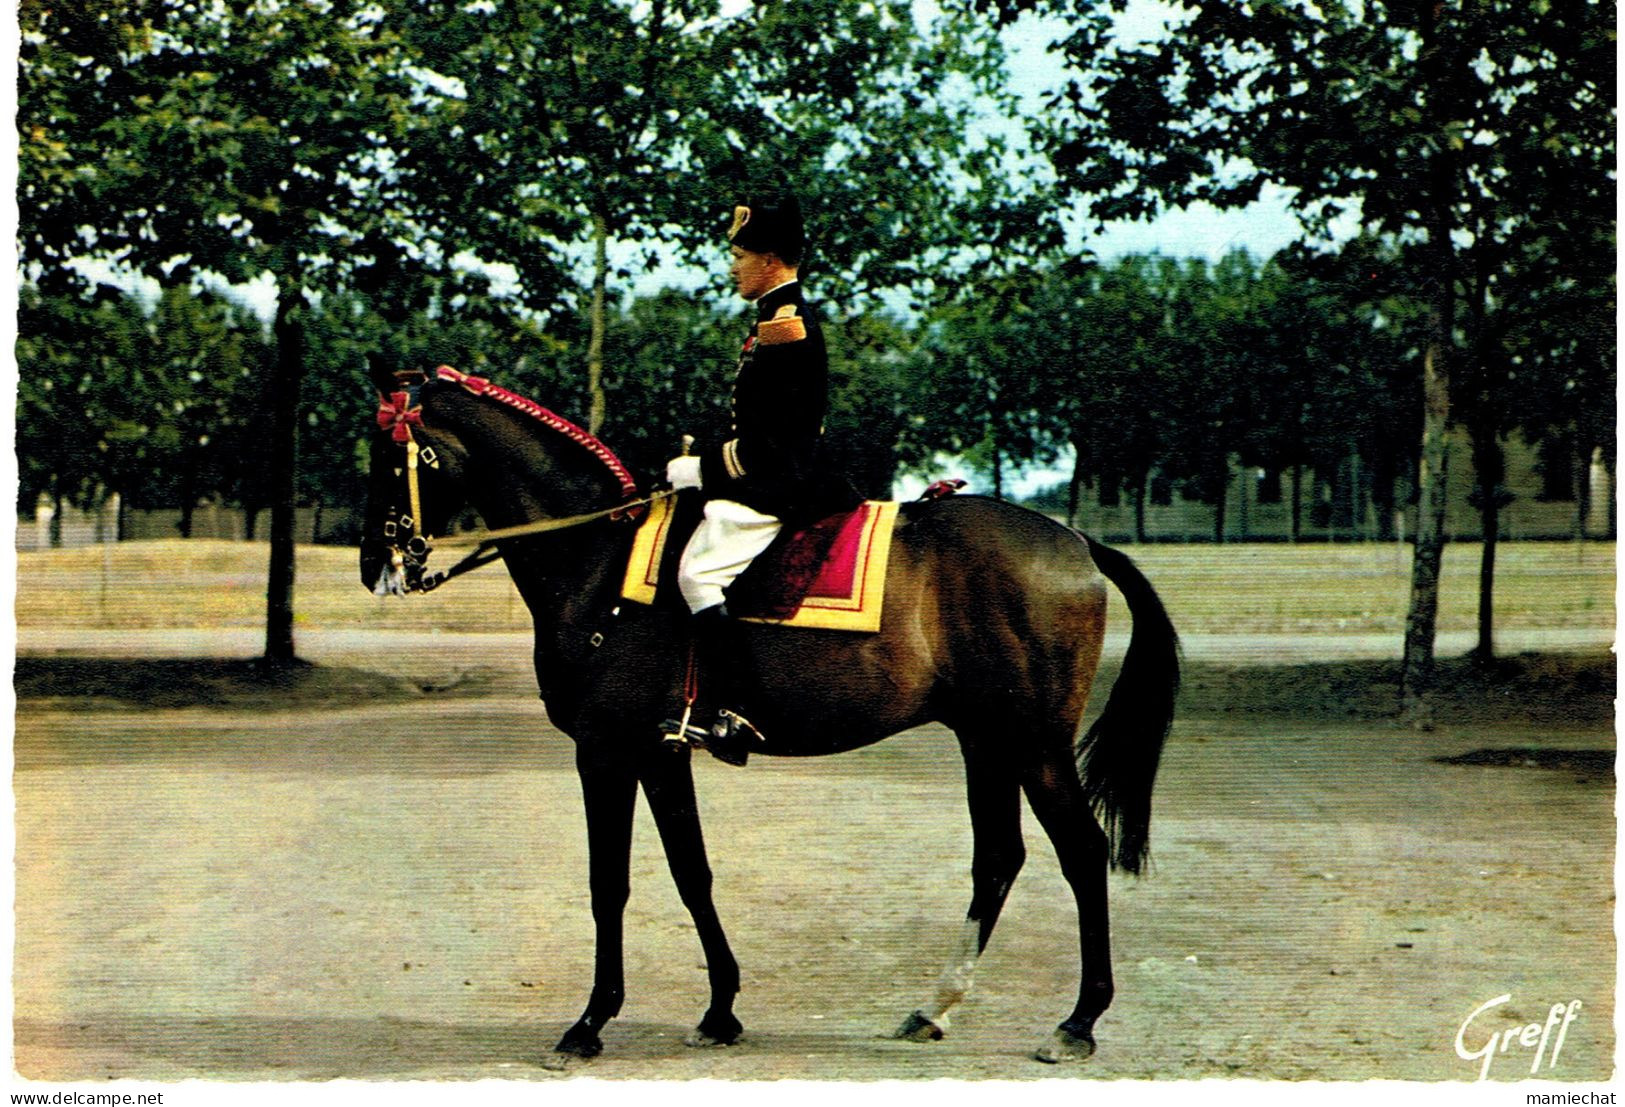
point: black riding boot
(718, 660)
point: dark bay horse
(993, 624)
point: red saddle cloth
(830, 575)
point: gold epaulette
(785, 326)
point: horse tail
(1117, 757)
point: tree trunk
(1139, 506)
(1490, 516)
(1613, 500)
(595, 344)
(1421, 621)
(1582, 489)
(1219, 507)
(284, 451)
(1383, 479)
(1074, 487)
(1297, 502)
(188, 499)
(1489, 465)
(56, 517)
(1479, 384)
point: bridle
(409, 547)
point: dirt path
(389, 892)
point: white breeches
(726, 540)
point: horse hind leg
(995, 809)
(1082, 848)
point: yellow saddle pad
(830, 575)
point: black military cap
(769, 225)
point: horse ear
(378, 371)
(388, 380)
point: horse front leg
(668, 782)
(609, 789)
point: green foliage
(1474, 138)
(1477, 136)
(671, 360)
(655, 118)
(159, 404)
(234, 140)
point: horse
(993, 625)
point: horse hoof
(1066, 1046)
(918, 1028)
(714, 1031)
(577, 1044)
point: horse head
(446, 441)
(415, 485)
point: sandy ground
(397, 891)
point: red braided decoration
(482, 387)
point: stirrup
(731, 724)
(673, 734)
(732, 737)
(677, 733)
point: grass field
(1236, 589)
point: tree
(1412, 115)
(989, 371)
(183, 139)
(624, 132)
(1117, 336)
(1326, 386)
(78, 357)
(1216, 334)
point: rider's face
(753, 274)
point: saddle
(830, 574)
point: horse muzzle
(397, 565)
(392, 578)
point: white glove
(683, 472)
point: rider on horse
(769, 471)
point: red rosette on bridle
(396, 415)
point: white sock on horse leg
(957, 976)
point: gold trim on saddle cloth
(860, 611)
(648, 547)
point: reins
(486, 543)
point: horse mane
(479, 386)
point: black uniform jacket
(781, 394)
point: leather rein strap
(486, 543)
